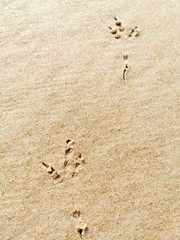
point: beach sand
(61, 74)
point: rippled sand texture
(63, 77)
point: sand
(61, 74)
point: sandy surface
(61, 78)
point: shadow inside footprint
(82, 230)
(68, 150)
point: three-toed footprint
(121, 32)
(72, 163)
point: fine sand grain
(89, 119)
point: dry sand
(61, 78)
